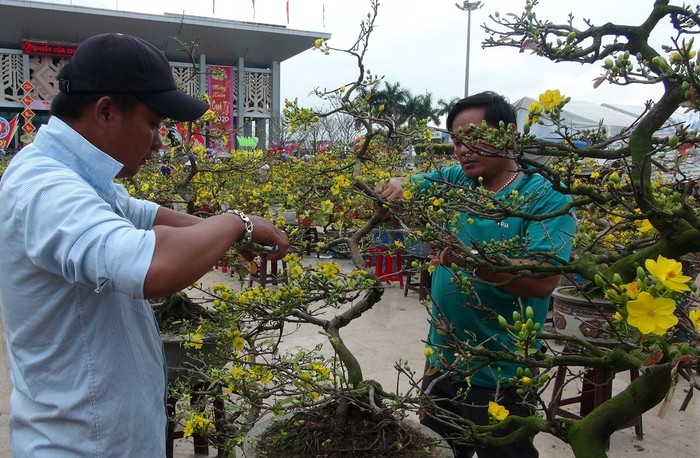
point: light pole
(468, 7)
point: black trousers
(474, 407)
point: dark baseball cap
(114, 63)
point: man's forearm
(522, 286)
(173, 218)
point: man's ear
(103, 111)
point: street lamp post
(468, 7)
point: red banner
(48, 49)
(221, 84)
(7, 131)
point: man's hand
(392, 189)
(265, 233)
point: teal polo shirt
(480, 327)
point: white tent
(576, 116)
(679, 117)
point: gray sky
(422, 44)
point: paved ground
(393, 330)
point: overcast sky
(421, 44)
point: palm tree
(400, 105)
(444, 106)
(421, 107)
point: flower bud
(599, 282)
(641, 273)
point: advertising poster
(221, 83)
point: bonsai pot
(440, 449)
(582, 317)
(180, 358)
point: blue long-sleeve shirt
(84, 348)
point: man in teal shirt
(473, 316)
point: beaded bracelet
(248, 229)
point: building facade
(236, 63)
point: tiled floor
(393, 330)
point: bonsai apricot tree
(638, 224)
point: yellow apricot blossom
(644, 226)
(188, 429)
(341, 183)
(695, 318)
(322, 370)
(296, 271)
(266, 377)
(238, 343)
(329, 269)
(237, 371)
(198, 424)
(669, 273)
(238, 340)
(533, 112)
(195, 340)
(210, 115)
(497, 411)
(651, 315)
(631, 289)
(551, 99)
(326, 207)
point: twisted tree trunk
(588, 436)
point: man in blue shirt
(81, 258)
(473, 316)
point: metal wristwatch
(248, 229)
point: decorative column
(203, 77)
(240, 94)
(276, 106)
(261, 132)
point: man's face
(477, 159)
(136, 136)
